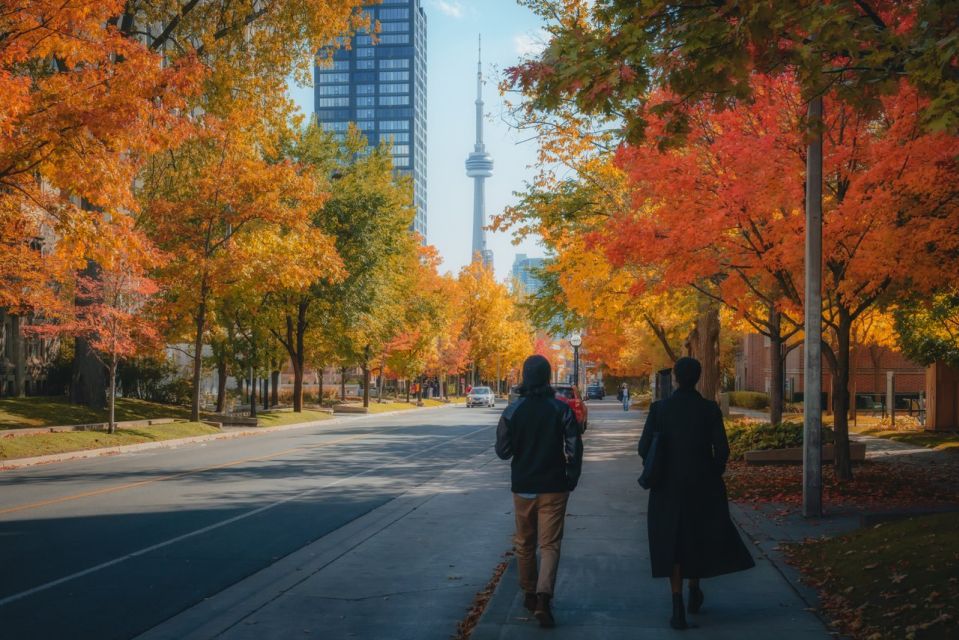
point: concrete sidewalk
(604, 589)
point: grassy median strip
(41, 444)
(38, 411)
(895, 580)
(280, 418)
(383, 407)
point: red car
(571, 396)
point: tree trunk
(200, 320)
(776, 367)
(87, 386)
(703, 344)
(221, 383)
(113, 396)
(840, 389)
(319, 386)
(253, 382)
(266, 392)
(275, 388)
(342, 384)
(379, 396)
(366, 384)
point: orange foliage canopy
(82, 106)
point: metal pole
(891, 396)
(575, 366)
(812, 345)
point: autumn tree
(367, 216)
(607, 57)
(927, 328)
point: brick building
(867, 379)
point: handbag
(653, 463)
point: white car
(481, 397)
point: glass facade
(382, 87)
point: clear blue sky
(452, 27)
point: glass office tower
(382, 88)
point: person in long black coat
(691, 535)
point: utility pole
(812, 346)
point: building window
(333, 90)
(386, 27)
(394, 88)
(365, 101)
(394, 14)
(364, 52)
(365, 89)
(394, 76)
(394, 38)
(364, 64)
(401, 161)
(392, 101)
(364, 41)
(366, 125)
(400, 136)
(394, 125)
(401, 63)
(332, 102)
(401, 150)
(365, 114)
(331, 78)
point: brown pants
(539, 520)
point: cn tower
(479, 167)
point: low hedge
(749, 399)
(747, 435)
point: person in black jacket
(690, 532)
(541, 435)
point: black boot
(678, 621)
(529, 601)
(695, 599)
(543, 612)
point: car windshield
(565, 391)
(481, 391)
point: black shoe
(695, 599)
(543, 612)
(529, 601)
(678, 621)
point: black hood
(536, 377)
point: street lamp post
(366, 376)
(576, 340)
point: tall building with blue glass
(382, 88)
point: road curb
(20, 463)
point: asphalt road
(109, 547)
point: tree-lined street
(154, 533)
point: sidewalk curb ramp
(19, 463)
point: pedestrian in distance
(691, 535)
(623, 396)
(541, 436)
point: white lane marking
(109, 563)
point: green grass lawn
(279, 418)
(897, 580)
(17, 413)
(930, 439)
(40, 444)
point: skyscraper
(479, 167)
(382, 88)
(524, 273)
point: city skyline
(451, 42)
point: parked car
(481, 397)
(571, 396)
(595, 392)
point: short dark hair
(687, 372)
